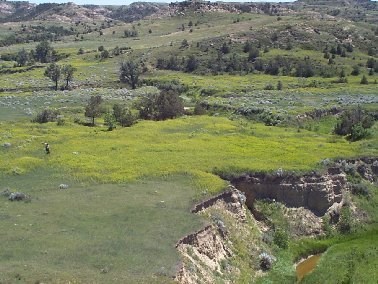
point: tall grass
(194, 145)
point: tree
(247, 46)
(53, 71)
(279, 85)
(43, 52)
(94, 108)
(370, 63)
(123, 115)
(165, 105)
(22, 57)
(191, 64)
(68, 71)
(225, 48)
(355, 71)
(253, 54)
(364, 80)
(304, 69)
(184, 43)
(354, 123)
(129, 73)
(104, 54)
(169, 105)
(110, 121)
(116, 51)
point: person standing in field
(47, 148)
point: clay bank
(208, 255)
(317, 193)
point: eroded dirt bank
(318, 193)
(206, 253)
(314, 192)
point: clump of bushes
(47, 115)
(345, 224)
(281, 238)
(360, 189)
(165, 105)
(354, 124)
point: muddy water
(306, 266)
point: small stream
(306, 266)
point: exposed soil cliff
(315, 192)
(207, 253)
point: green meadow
(94, 233)
(130, 190)
(188, 145)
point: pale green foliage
(129, 73)
(110, 121)
(68, 72)
(94, 108)
(53, 71)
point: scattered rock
(17, 196)
(63, 186)
(6, 192)
(7, 145)
(104, 270)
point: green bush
(360, 189)
(165, 105)
(345, 224)
(358, 132)
(281, 238)
(47, 115)
(354, 123)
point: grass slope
(89, 233)
(192, 145)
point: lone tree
(129, 73)
(22, 57)
(44, 52)
(169, 105)
(68, 71)
(94, 108)
(53, 71)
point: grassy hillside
(258, 73)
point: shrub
(281, 238)
(269, 86)
(364, 80)
(360, 189)
(345, 224)
(60, 120)
(110, 121)
(47, 115)
(354, 123)
(199, 109)
(355, 71)
(358, 132)
(279, 85)
(266, 261)
(165, 105)
(123, 115)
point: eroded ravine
(313, 194)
